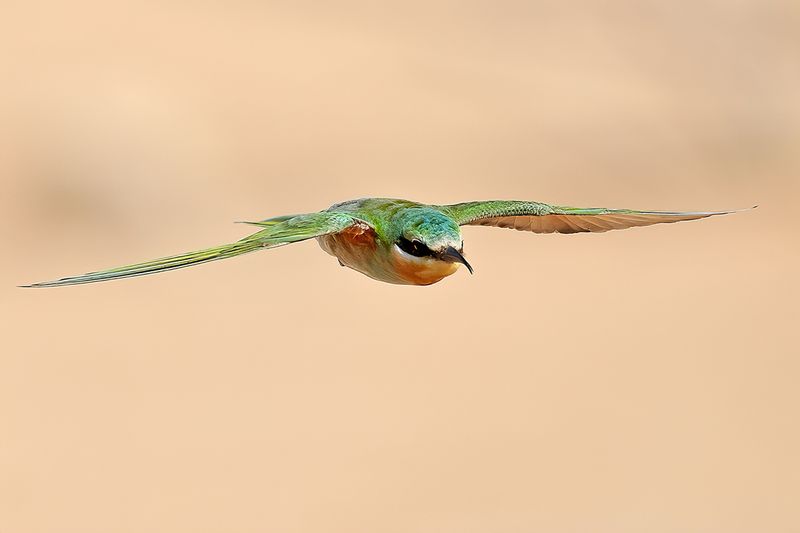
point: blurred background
(642, 380)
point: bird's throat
(416, 271)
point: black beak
(451, 255)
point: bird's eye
(413, 247)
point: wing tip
(262, 224)
(45, 284)
(742, 210)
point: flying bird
(400, 241)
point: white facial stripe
(413, 258)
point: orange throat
(421, 271)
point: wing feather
(544, 218)
(276, 232)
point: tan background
(644, 380)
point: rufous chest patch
(359, 234)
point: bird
(399, 241)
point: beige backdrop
(644, 380)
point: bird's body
(400, 241)
(368, 246)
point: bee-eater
(399, 241)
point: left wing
(543, 218)
(276, 232)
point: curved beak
(451, 255)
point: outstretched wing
(293, 229)
(543, 218)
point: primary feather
(157, 265)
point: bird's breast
(355, 247)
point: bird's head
(428, 235)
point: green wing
(277, 232)
(543, 218)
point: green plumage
(400, 241)
(294, 229)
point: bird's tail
(246, 245)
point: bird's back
(380, 213)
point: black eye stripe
(413, 247)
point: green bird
(399, 241)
